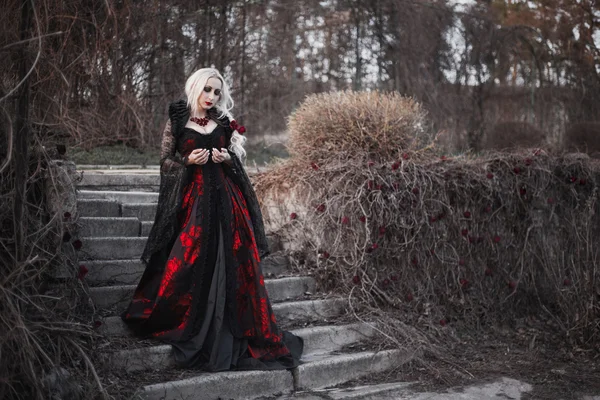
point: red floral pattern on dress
(174, 301)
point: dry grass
(435, 241)
(47, 340)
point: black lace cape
(174, 176)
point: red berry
(314, 166)
(97, 324)
(356, 279)
(381, 230)
(414, 261)
(386, 282)
(405, 156)
(394, 277)
(512, 285)
(523, 191)
(77, 244)
(517, 170)
(67, 215)
(463, 282)
(573, 179)
(395, 165)
(490, 175)
(528, 161)
(370, 163)
(582, 181)
(432, 219)
(362, 218)
(415, 190)
(241, 130)
(82, 271)
(464, 232)
(496, 239)
(467, 214)
(293, 215)
(345, 221)
(461, 262)
(370, 185)
(409, 297)
(321, 208)
(325, 254)
(374, 246)
(443, 322)
(443, 158)
(567, 282)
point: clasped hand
(200, 156)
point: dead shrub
(375, 124)
(512, 134)
(436, 241)
(584, 137)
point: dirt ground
(532, 355)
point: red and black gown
(204, 292)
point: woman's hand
(220, 156)
(198, 157)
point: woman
(203, 289)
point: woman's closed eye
(208, 89)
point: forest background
(104, 71)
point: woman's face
(210, 94)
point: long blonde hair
(193, 89)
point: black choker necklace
(200, 121)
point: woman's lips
(208, 103)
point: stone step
(109, 227)
(112, 248)
(143, 211)
(119, 181)
(317, 340)
(286, 313)
(146, 226)
(129, 271)
(280, 289)
(119, 196)
(327, 371)
(379, 391)
(98, 208)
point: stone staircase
(116, 210)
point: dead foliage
(436, 241)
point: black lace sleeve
(173, 176)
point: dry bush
(437, 240)
(47, 340)
(512, 134)
(374, 124)
(583, 136)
